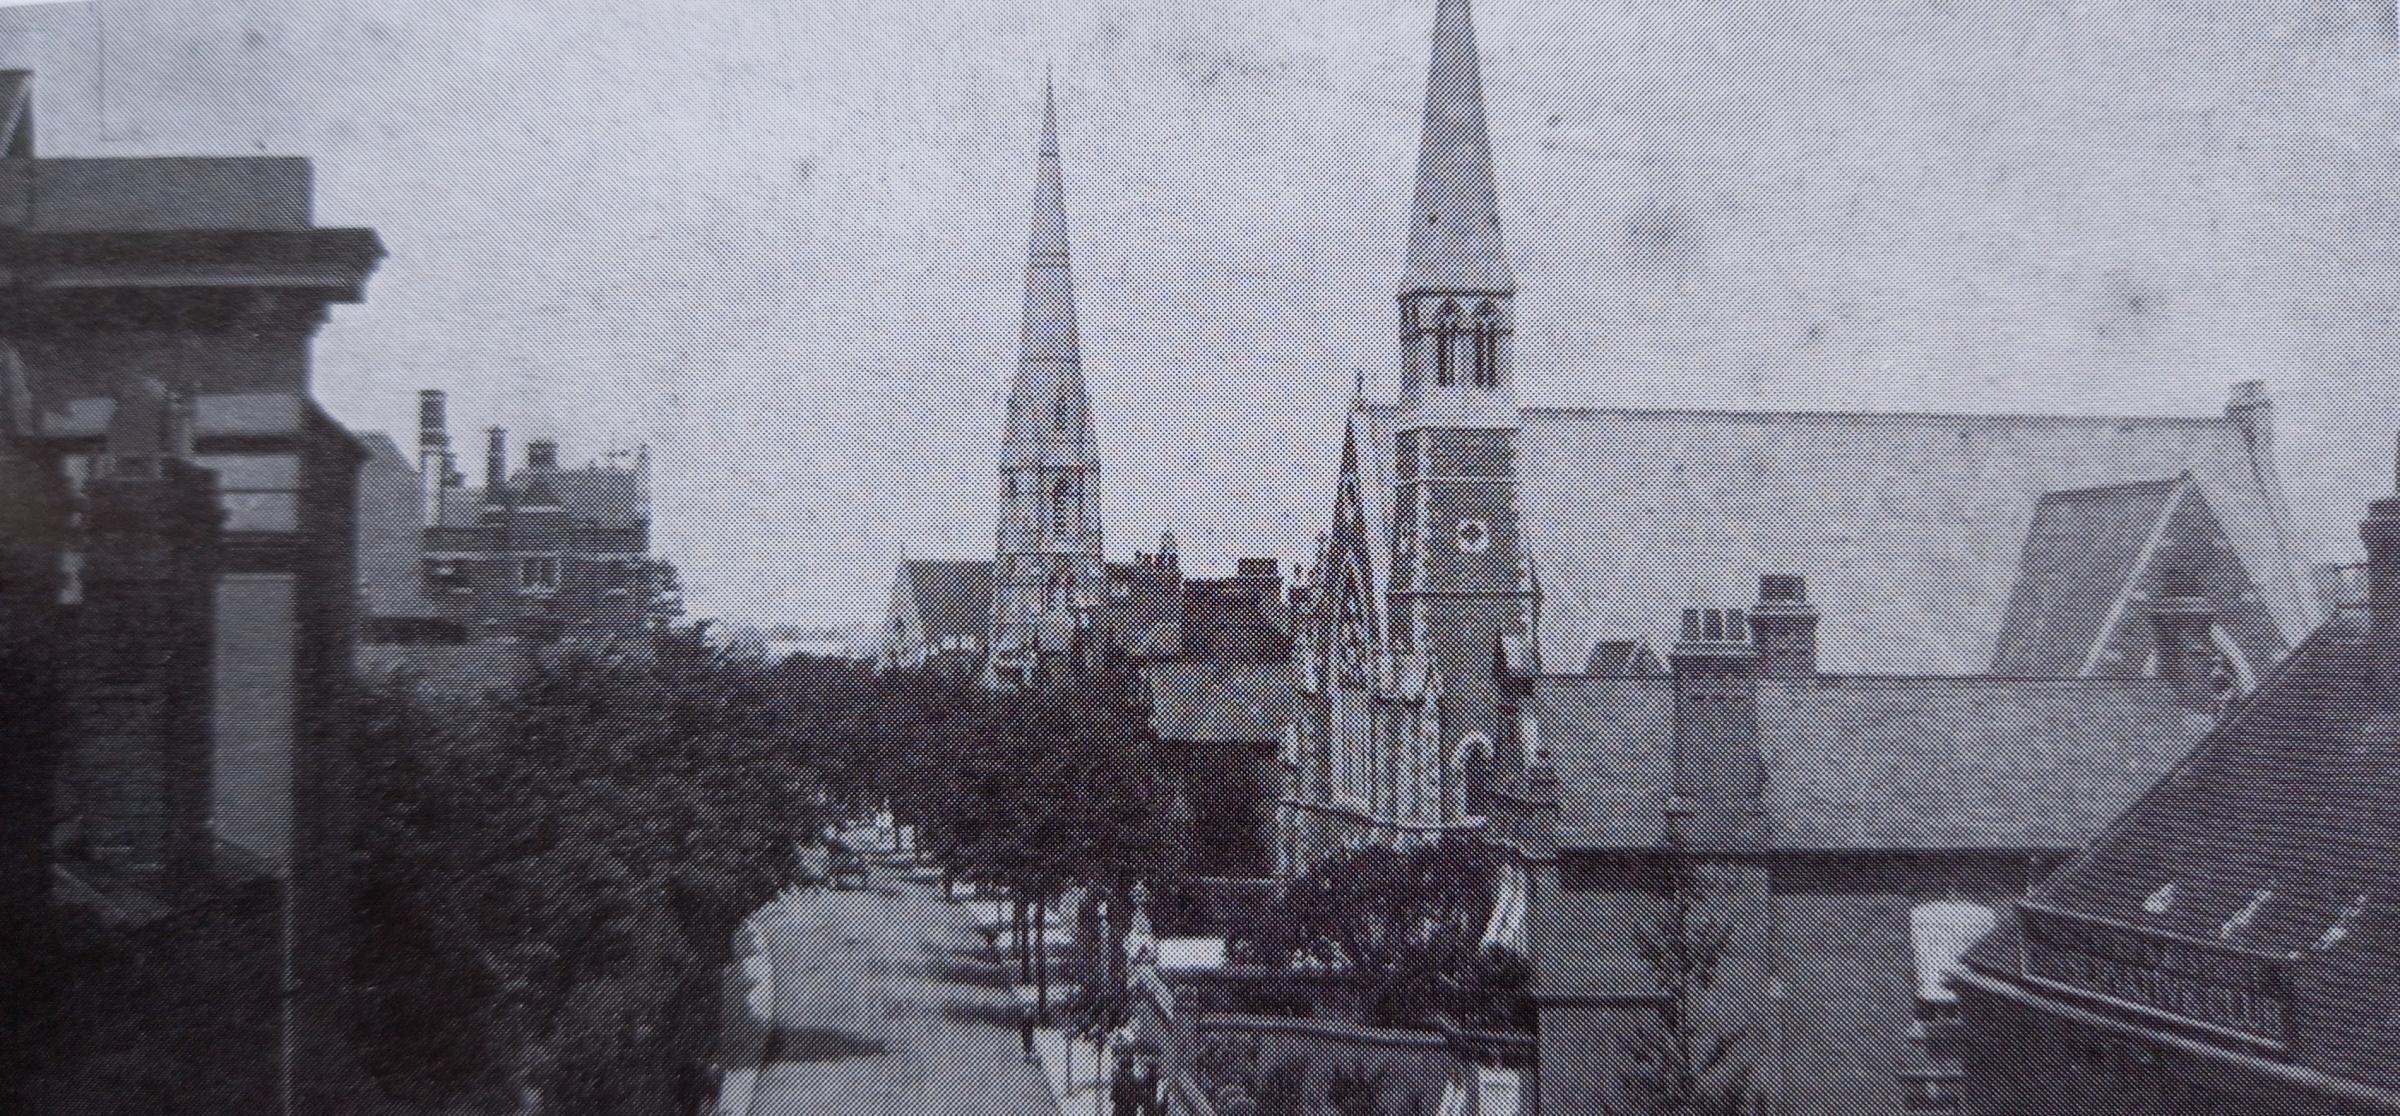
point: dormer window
(2242, 919)
(1487, 345)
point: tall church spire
(1049, 561)
(1454, 242)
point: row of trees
(1039, 791)
(550, 878)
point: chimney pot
(1785, 627)
(2381, 534)
(432, 418)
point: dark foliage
(550, 881)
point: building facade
(453, 577)
(158, 323)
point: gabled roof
(953, 599)
(2081, 556)
(391, 533)
(2096, 558)
(1868, 764)
(1219, 702)
(1909, 527)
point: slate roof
(1866, 764)
(954, 599)
(599, 495)
(2291, 800)
(1218, 702)
(1623, 657)
(2083, 549)
(1909, 527)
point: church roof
(1909, 527)
(1878, 764)
(1222, 702)
(1454, 241)
(954, 599)
(2083, 549)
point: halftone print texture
(1672, 558)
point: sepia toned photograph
(1200, 558)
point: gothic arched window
(1445, 337)
(1487, 345)
(1062, 506)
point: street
(882, 1006)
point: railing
(2215, 986)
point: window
(537, 575)
(1487, 345)
(1062, 506)
(448, 575)
(1445, 333)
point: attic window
(2242, 919)
(2160, 900)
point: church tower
(1048, 577)
(1459, 583)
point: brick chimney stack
(2183, 624)
(2381, 534)
(433, 452)
(1719, 797)
(1785, 626)
(542, 455)
(137, 781)
(495, 464)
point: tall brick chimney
(1719, 796)
(2381, 534)
(495, 464)
(2183, 624)
(1785, 627)
(433, 453)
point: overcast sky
(782, 241)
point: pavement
(880, 1003)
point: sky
(782, 241)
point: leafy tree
(551, 879)
(1405, 925)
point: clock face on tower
(1474, 536)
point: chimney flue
(1785, 627)
(433, 421)
(495, 462)
(2183, 624)
(1719, 797)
